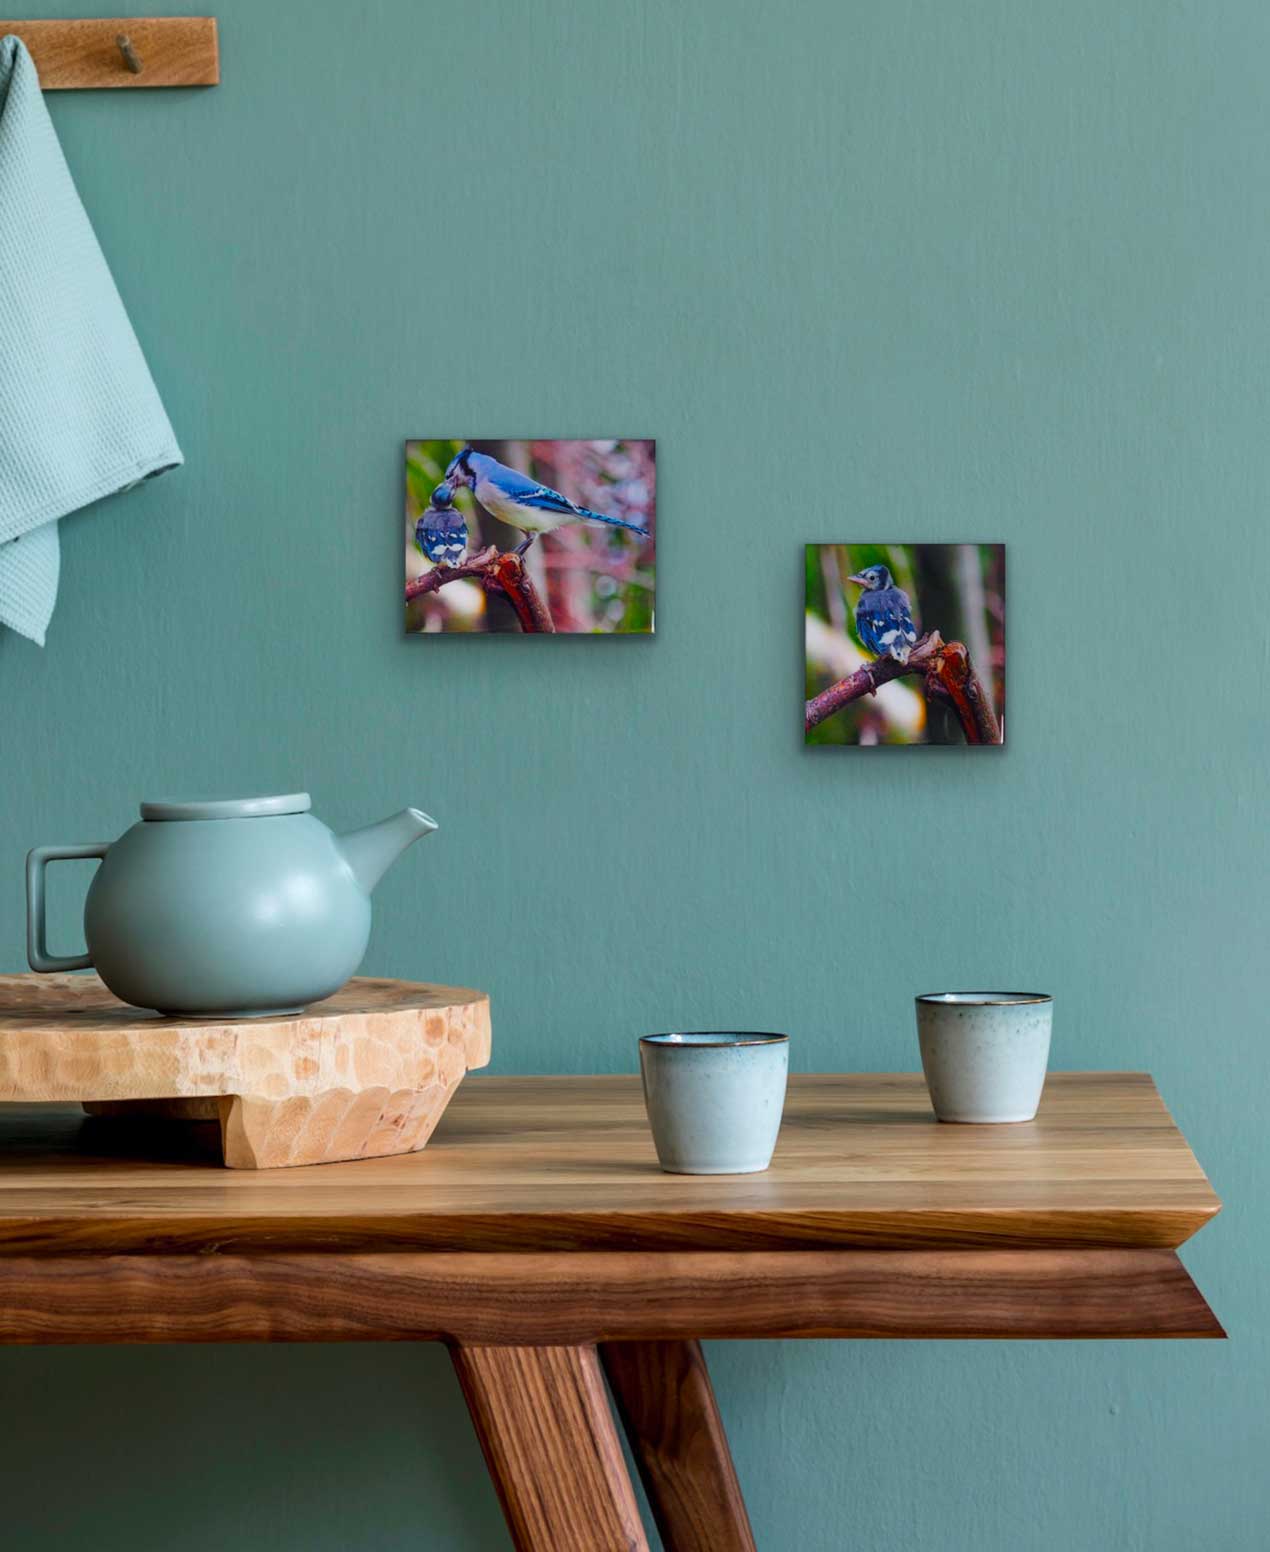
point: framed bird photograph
(904, 644)
(531, 537)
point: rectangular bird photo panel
(536, 536)
(905, 644)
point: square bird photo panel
(507, 536)
(905, 644)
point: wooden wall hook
(129, 53)
(116, 51)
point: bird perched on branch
(521, 502)
(441, 532)
(883, 618)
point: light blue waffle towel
(79, 414)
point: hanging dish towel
(79, 415)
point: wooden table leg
(672, 1420)
(543, 1419)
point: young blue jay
(883, 618)
(521, 502)
(441, 532)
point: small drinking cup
(985, 1053)
(714, 1099)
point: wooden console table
(536, 1236)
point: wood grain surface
(567, 1163)
(367, 1072)
(543, 1419)
(666, 1403)
(543, 1298)
(172, 51)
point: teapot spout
(372, 850)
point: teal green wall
(921, 270)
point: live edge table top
(559, 1164)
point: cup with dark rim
(985, 1054)
(714, 1098)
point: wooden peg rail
(121, 51)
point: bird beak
(863, 581)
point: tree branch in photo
(952, 674)
(498, 571)
(948, 673)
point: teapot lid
(228, 808)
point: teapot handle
(37, 954)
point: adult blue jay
(521, 502)
(441, 532)
(883, 618)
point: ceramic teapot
(237, 908)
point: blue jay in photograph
(521, 502)
(883, 618)
(441, 532)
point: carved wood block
(365, 1073)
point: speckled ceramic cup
(714, 1099)
(985, 1053)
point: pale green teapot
(236, 908)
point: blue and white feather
(440, 532)
(520, 502)
(883, 616)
